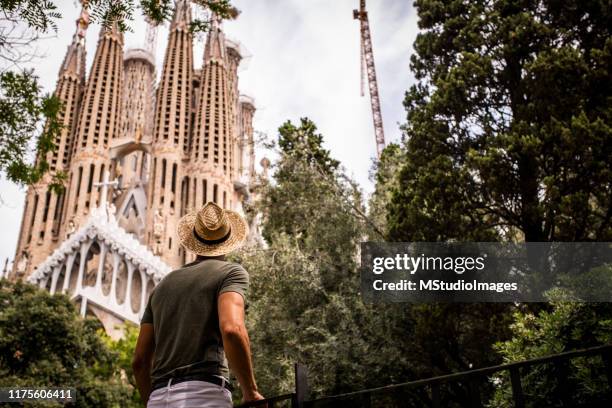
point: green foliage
(21, 108)
(304, 144)
(384, 174)
(508, 132)
(221, 8)
(292, 317)
(40, 15)
(123, 349)
(285, 284)
(305, 304)
(117, 11)
(321, 216)
(158, 11)
(563, 326)
(44, 342)
(507, 138)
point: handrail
(471, 373)
(299, 398)
(267, 401)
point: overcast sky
(303, 61)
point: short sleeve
(237, 280)
(147, 316)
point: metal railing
(296, 399)
(271, 402)
(431, 387)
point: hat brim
(238, 233)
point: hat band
(212, 241)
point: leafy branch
(21, 108)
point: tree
(305, 303)
(566, 325)
(508, 133)
(507, 138)
(44, 343)
(384, 174)
(304, 144)
(123, 348)
(312, 200)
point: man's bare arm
(236, 342)
(143, 358)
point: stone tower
(211, 159)
(156, 150)
(99, 123)
(138, 94)
(171, 137)
(130, 154)
(42, 215)
(233, 61)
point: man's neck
(200, 258)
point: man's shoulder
(235, 266)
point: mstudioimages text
(440, 285)
(413, 264)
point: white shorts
(191, 394)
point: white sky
(304, 61)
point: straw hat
(212, 231)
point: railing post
(474, 393)
(562, 369)
(435, 395)
(606, 356)
(366, 400)
(517, 388)
(301, 386)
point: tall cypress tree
(508, 133)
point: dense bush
(45, 343)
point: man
(195, 318)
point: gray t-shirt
(183, 310)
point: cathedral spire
(74, 61)
(173, 93)
(215, 41)
(182, 15)
(172, 122)
(212, 136)
(98, 124)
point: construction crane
(367, 66)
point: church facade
(138, 156)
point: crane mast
(367, 67)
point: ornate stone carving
(158, 225)
(73, 224)
(103, 226)
(22, 263)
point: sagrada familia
(138, 156)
